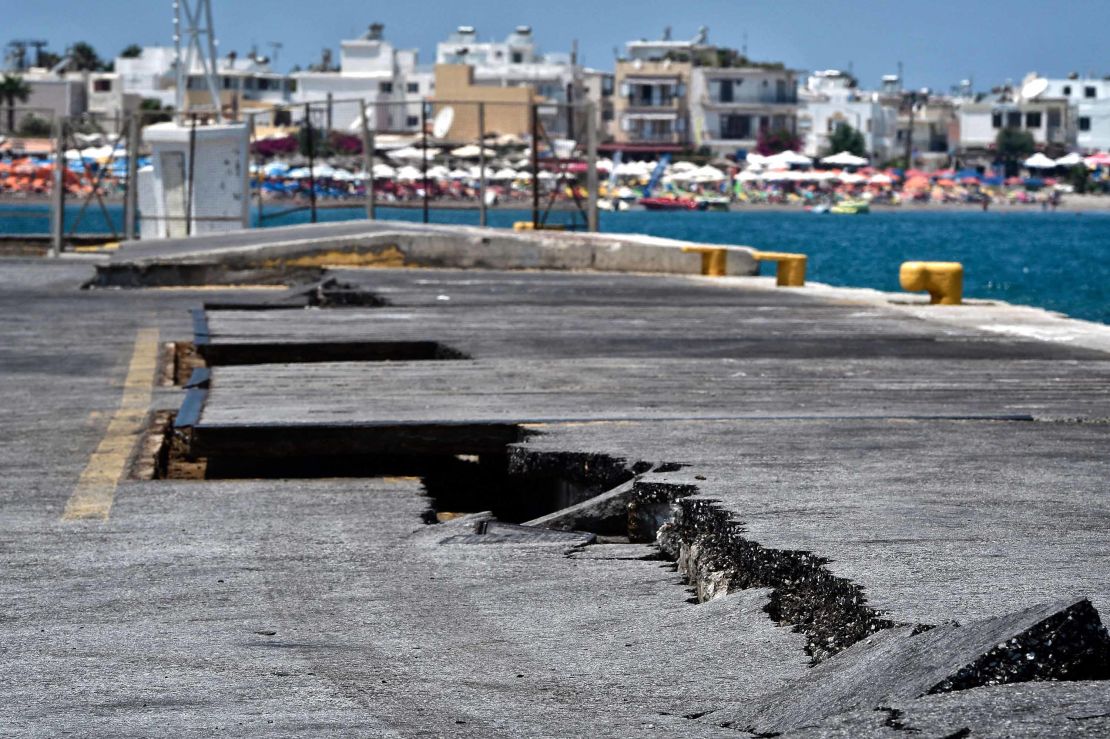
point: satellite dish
(442, 123)
(1033, 88)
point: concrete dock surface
(517, 502)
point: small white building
(374, 70)
(831, 98)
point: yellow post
(944, 281)
(528, 226)
(790, 269)
(714, 259)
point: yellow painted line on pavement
(95, 491)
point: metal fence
(317, 160)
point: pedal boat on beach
(673, 204)
(851, 208)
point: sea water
(1059, 261)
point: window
(725, 93)
(1090, 92)
(1053, 117)
(412, 87)
(102, 85)
(517, 57)
(1067, 90)
(606, 115)
(606, 85)
(996, 120)
(1013, 119)
(1084, 123)
(1033, 120)
(412, 121)
(780, 91)
(386, 87)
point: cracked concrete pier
(539, 494)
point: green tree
(153, 112)
(35, 126)
(846, 138)
(1080, 178)
(131, 51)
(13, 89)
(1013, 145)
(84, 57)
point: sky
(939, 42)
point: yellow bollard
(790, 269)
(714, 260)
(529, 226)
(944, 281)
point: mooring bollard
(944, 281)
(714, 259)
(790, 269)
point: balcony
(749, 100)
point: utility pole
(481, 164)
(424, 153)
(130, 204)
(591, 168)
(58, 196)
(368, 161)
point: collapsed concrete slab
(1053, 641)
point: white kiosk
(198, 180)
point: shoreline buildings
(662, 95)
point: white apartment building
(514, 62)
(1091, 98)
(244, 83)
(729, 106)
(830, 99)
(1050, 119)
(374, 70)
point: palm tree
(13, 89)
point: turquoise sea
(1059, 261)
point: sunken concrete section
(300, 252)
(669, 506)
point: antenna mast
(192, 23)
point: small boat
(612, 205)
(851, 208)
(714, 202)
(673, 204)
(820, 208)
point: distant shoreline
(1068, 204)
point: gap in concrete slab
(179, 359)
(456, 483)
(308, 353)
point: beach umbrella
(409, 173)
(458, 174)
(1039, 161)
(845, 159)
(747, 176)
(708, 173)
(383, 171)
(754, 158)
(788, 158)
(411, 153)
(683, 167)
(505, 173)
(471, 151)
(275, 169)
(1034, 183)
(439, 172)
(880, 179)
(917, 183)
(850, 178)
(1069, 160)
(1101, 159)
(342, 175)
